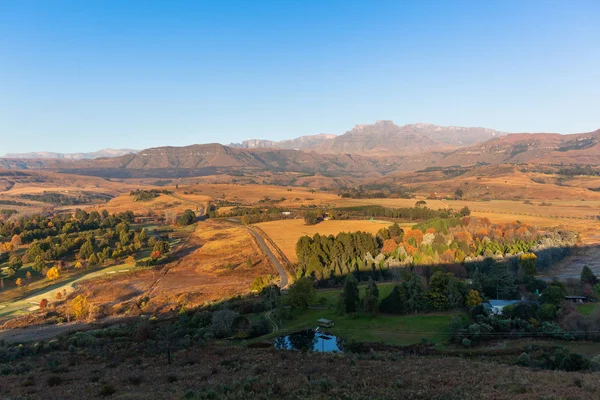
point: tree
(270, 295)
(547, 311)
(372, 289)
(79, 307)
(301, 293)
(458, 193)
(465, 211)
(371, 298)
(43, 304)
(130, 260)
(222, 322)
(553, 295)
(93, 261)
(396, 231)
(310, 218)
(473, 298)
(350, 294)
(15, 263)
(587, 276)
(53, 274)
(19, 282)
(163, 247)
(39, 264)
(395, 302)
(86, 250)
(527, 264)
(188, 218)
(16, 241)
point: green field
(587, 309)
(399, 330)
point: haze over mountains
(383, 138)
(365, 151)
(73, 156)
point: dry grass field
(285, 233)
(213, 265)
(252, 194)
(498, 182)
(176, 203)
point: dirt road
(283, 283)
(201, 208)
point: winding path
(268, 317)
(201, 209)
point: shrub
(107, 390)
(79, 307)
(222, 322)
(54, 380)
(574, 362)
(466, 342)
(524, 360)
(548, 311)
(595, 364)
(53, 274)
(43, 304)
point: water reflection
(308, 339)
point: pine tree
(351, 294)
(587, 276)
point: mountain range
(73, 156)
(383, 138)
(365, 151)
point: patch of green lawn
(399, 330)
(329, 297)
(587, 309)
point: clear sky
(84, 75)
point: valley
(209, 248)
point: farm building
(325, 323)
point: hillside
(542, 148)
(385, 148)
(484, 182)
(210, 159)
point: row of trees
(407, 213)
(469, 241)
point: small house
(496, 306)
(576, 299)
(325, 323)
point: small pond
(310, 340)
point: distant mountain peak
(109, 153)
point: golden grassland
(40, 181)
(176, 203)
(251, 194)
(285, 233)
(498, 182)
(213, 265)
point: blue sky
(85, 75)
